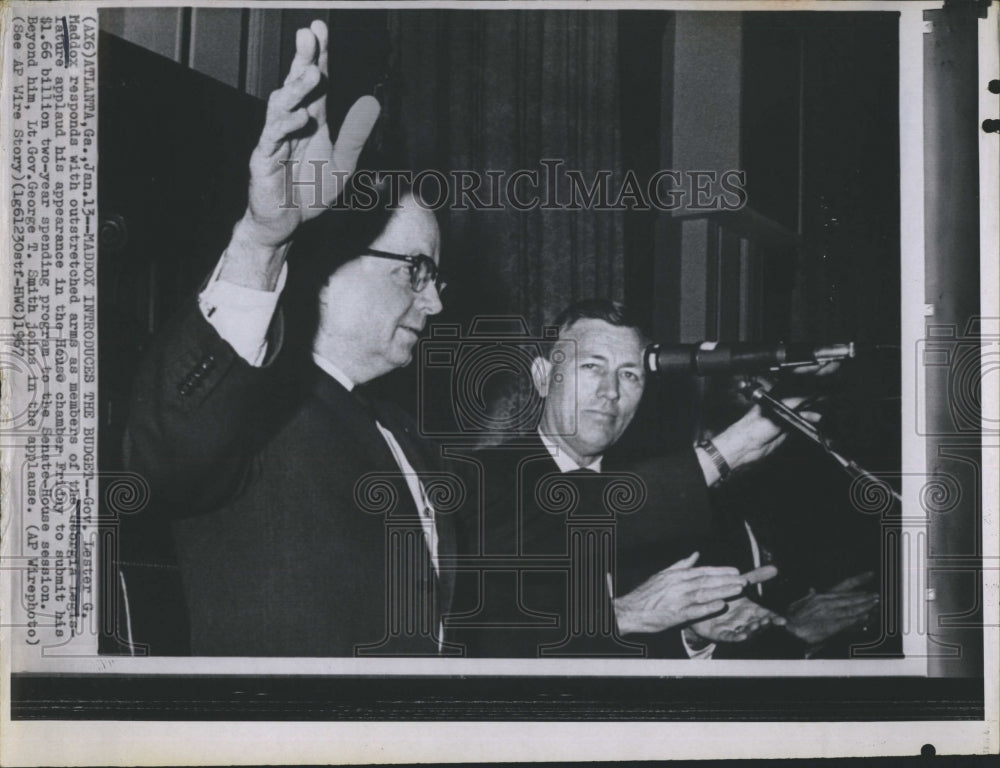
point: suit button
(188, 384)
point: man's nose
(608, 388)
(429, 300)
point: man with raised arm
(281, 480)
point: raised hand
(676, 595)
(755, 436)
(295, 146)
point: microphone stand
(757, 393)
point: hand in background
(820, 615)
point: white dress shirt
(241, 315)
(563, 460)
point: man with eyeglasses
(299, 507)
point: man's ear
(540, 370)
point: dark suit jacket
(520, 601)
(281, 547)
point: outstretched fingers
(709, 588)
(285, 113)
(698, 611)
(711, 593)
(307, 49)
(685, 562)
(853, 582)
(354, 132)
(761, 574)
(318, 28)
(685, 574)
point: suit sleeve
(675, 512)
(196, 415)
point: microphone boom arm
(758, 394)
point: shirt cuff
(241, 315)
(702, 652)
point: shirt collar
(564, 462)
(333, 371)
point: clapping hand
(820, 615)
(681, 593)
(741, 618)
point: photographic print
(466, 369)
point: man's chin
(599, 430)
(400, 354)
(593, 443)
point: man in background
(592, 381)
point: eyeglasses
(423, 270)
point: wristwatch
(721, 465)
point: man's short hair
(610, 312)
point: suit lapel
(355, 415)
(358, 413)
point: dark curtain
(502, 91)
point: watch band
(721, 465)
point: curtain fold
(502, 91)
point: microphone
(710, 357)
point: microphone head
(669, 358)
(709, 357)
(649, 362)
